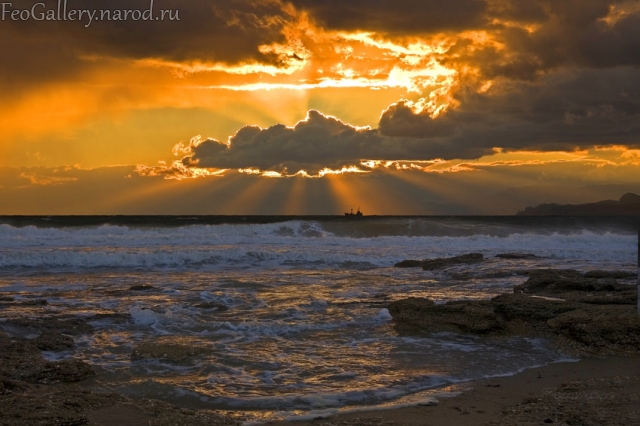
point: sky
(316, 107)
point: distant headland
(628, 205)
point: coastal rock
(171, 352)
(597, 288)
(620, 275)
(212, 305)
(555, 281)
(600, 327)
(6, 299)
(585, 315)
(409, 264)
(31, 394)
(517, 256)
(529, 309)
(141, 287)
(20, 359)
(70, 326)
(69, 406)
(34, 302)
(65, 371)
(49, 341)
(419, 314)
(439, 263)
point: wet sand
(591, 392)
(588, 392)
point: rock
(529, 309)
(70, 326)
(20, 359)
(611, 274)
(586, 316)
(552, 281)
(600, 327)
(6, 299)
(171, 352)
(65, 371)
(418, 314)
(439, 263)
(576, 287)
(50, 341)
(408, 264)
(141, 287)
(35, 302)
(517, 256)
(212, 305)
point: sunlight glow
(177, 170)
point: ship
(358, 213)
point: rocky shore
(34, 391)
(586, 314)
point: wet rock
(586, 316)
(555, 281)
(20, 359)
(6, 299)
(65, 371)
(526, 308)
(141, 287)
(439, 263)
(8, 386)
(611, 274)
(49, 341)
(69, 405)
(114, 317)
(70, 326)
(600, 327)
(35, 302)
(212, 305)
(171, 352)
(409, 264)
(517, 256)
(419, 314)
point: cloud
(395, 17)
(564, 111)
(212, 31)
(533, 37)
(315, 143)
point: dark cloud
(36, 52)
(317, 142)
(396, 17)
(560, 33)
(564, 111)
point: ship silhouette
(352, 214)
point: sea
(285, 317)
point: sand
(588, 392)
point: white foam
(143, 316)
(304, 244)
(384, 315)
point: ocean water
(297, 324)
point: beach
(303, 319)
(592, 391)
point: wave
(291, 244)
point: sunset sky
(316, 107)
